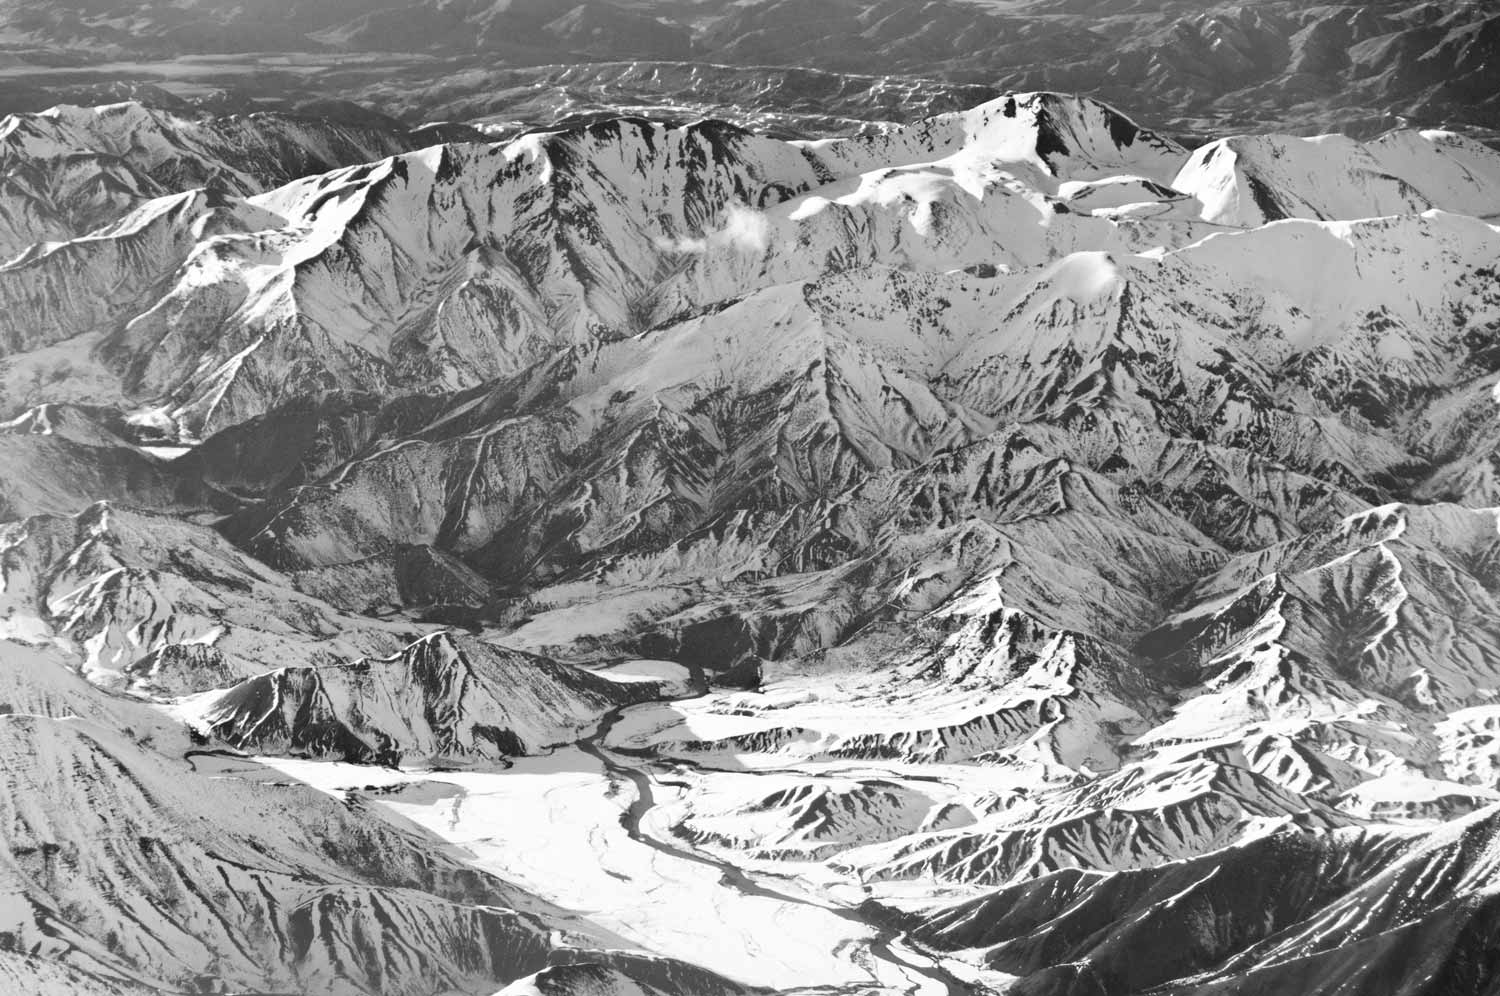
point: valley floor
(575, 828)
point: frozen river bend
(1007, 553)
(581, 833)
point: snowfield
(552, 825)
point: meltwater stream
(880, 947)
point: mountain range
(1012, 551)
(800, 68)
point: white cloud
(744, 230)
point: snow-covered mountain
(978, 555)
(439, 700)
(69, 170)
(135, 862)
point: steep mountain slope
(60, 458)
(71, 169)
(440, 700)
(154, 603)
(1184, 924)
(1248, 181)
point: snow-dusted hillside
(440, 700)
(1010, 552)
(70, 169)
(133, 863)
